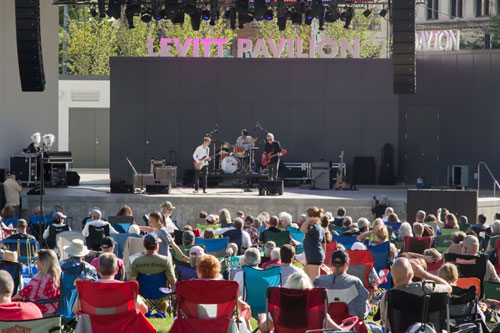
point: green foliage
(270, 30)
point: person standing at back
(11, 189)
(314, 242)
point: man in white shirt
(234, 232)
(95, 216)
(244, 141)
(12, 188)
(167, 209)
(201, 156)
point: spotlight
(347, 17)
(100, 5)
(195, 20)
(133, 9)
(179, 17)
(205, 14)
(146, 17)
(269, 14)
(155, 8)
(383, 12)
(318, 9)
(296, 18)
(281, 23)
(259, 9)
(309, 17)
(214, 13)
(367, 12)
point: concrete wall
(315, 108)
(87, 87)
(23, 113)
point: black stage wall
(315, 108)
(453, 119)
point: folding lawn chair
(112, 307)
(299, 236)
(280, 238)
(121, 240)
(361, 263)
(26, 248)
(255, 284)
(14, 269)
(466, 282)
(443, 242)
(205, 305)
(417, 244)
(469, 265)
(121, 223)
(347, 241)
(42, 325)
(380, 255)
(216, 246)
(64, 239)
(330, 248)
(149, 289)
(186, 273)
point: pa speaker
(120, 185)
(403, 46)
(271, 187)
(363, 172)
(29, 45)
(72, 178)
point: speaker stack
(29, 45)
(403, 46)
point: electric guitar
(266, 157)
(204, 161)
(340, 182)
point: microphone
(255, 127)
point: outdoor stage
(94, 192)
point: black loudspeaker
(120, 185)
(386, 176)
(271, 187)
(2, 176)
(158, 189)
(72, 178)
(29, 45)
(363, 172)
(403, 47)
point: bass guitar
(204, 161)
(340, 182)
(266, 157)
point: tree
(270, 30)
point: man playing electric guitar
(201, 157)
(272, 148)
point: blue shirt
(77, 267)
(166, 239)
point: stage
(94, 191)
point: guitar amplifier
(271, 187)
(142, 179)
(321, 175)
(158, 186)
(167, 173)
(296, 171)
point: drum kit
(239, 161)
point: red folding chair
(296, 310)
(205, 305)
(361, 262)
(112, 307)
(330, 248)
(338, 311)
(417, 244)
(465, 283)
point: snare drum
(240, 152)
(230, 164)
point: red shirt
(19, 311)
(270, 262)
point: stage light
(269, 14)
(281, 23)
(146, 17)
(101, 7)
(296, 17)
(179, 17)
(309, 17)
(93, 11)
(205, 14)
(367, 12)
(133, 9)
(195, 20)
(347, 17)
(318, 9)
(155, 9)
(259, 9)
(383, 12)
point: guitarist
(200, 155)
(272, 147)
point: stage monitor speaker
(121, 185)
(72, 178)
(271, 187)
(403, 47)
(158, 189)
(142, 179)
(321, 179)
(29, 45)
(363, 172)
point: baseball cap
(151, 238)
(340, 258)
(59, 215)
(187, 236)
(22, 223)
(211, 218)
(168, 205)
(107, 242)
(358, 246)
(196, 251)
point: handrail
(495, 181)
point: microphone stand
(210, 134)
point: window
(482, 8)
(432, 9)
(457, 8)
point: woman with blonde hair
(45, 284)
(314, 242)
(224, 218)
(380, 235)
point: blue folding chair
(186, 273)
(347, 241)
(122, 228)
(215, 246)
(121, 240)
(256, 282)
(14, 269)
(26, 248)
(394, 227)
(381, 255)
(149, 289)
(11, 222)
(68, 298)
(298, 236)
(34, 224)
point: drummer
(244, 141)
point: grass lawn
(163, 325)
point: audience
(325, 222)
(388, 211)
(339, 220)
(54, 228)
(251, 230)
(236, 234)
(108, 246)
(274, 259)
(75, 265)
(11, 310)
(167, 209)
(251, 258)
(470, 246)
(287, 257)
(314, 242)
(21, 233)
(456, 242)
(405, 230)
(96, 221)
(225, 218)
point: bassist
(201, 157)
(272, 147)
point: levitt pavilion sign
(325, 48)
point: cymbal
(251, 141)
(221, 142)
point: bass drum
(230, 164)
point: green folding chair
(280, 238)
(464, 226)
(441, 243)
(446, 232)
(491, 290)
(202, 227)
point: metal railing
(495, 181)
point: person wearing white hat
(96, 221)
(75, 265)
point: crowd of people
(316, 250)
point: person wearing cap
(153, 263)
(21, 227)
(12, 188)
(157, 225)
(12, 310)
(75, 265)
(56, 227)
(167, 209)
(108, 246)
(194, 253)
(96, 221)
(344, 287)
(402, 272)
